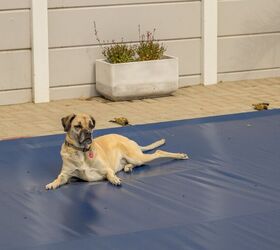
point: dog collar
(75, 147)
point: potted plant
(136, 71)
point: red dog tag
(90, 154)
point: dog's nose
(87, 133)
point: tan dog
(103, 157)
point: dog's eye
(91, 125)
(77, 126)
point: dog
(103, 157)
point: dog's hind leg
(140, 159)
(128, 167)
(153, 145)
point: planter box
(134, 80)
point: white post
(209, 41)
(40, 50)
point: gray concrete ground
(30, 119)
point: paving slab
(29, 119)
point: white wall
(15, 54)
(249, 39)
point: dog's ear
(93, 121)
(66, 122)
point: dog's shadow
(82, 214)
(92, 202)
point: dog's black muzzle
(85, 137)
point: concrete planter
(126, 81)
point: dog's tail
(153, 145)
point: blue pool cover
(227, 196)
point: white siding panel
(188, 53)
(80, 3)
(74, 27)
(15, 70)
(15, 29)
(14, 4)
(72, 66)
(248, 16)
(248, 52)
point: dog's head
(79, 128)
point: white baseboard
(185, 81)
(8, 97)
(70, 92)
(247, 75)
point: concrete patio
(25, 120)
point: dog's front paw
(52, 185)
(115, 180)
